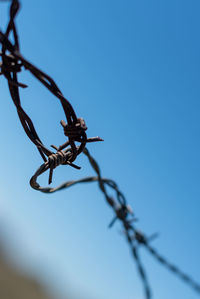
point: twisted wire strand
(174, 269)
(140, 267)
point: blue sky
(131, 70)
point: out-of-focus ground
(16, 285)
(20, 281)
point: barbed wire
(66, 154)
(75, 129)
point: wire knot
(122, 213)
(140, 237)
(59, 158)
(75, 130)
(10, 64)
(55, 160)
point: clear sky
(131, 69)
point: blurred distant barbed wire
(75, 130)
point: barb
(75, 131)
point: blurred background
(131, 70)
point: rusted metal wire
(75, 130)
